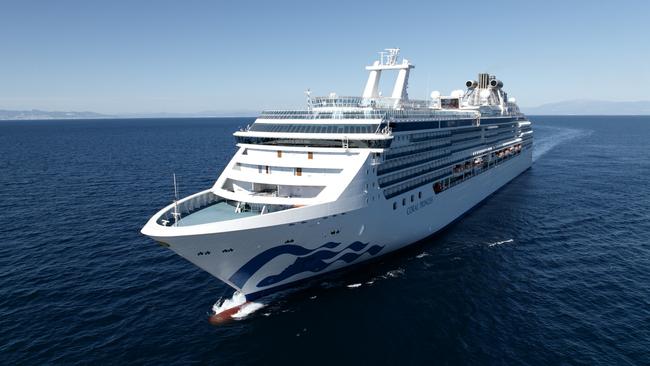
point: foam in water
(501, 242)
(394, 273)
(248, 309)
(559, 136)
(224, 304)
(354, 285)
(237, 299)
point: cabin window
(279, 153)
(419, 195)
(394, 205)
(298, 172)
(403, 201)
(268, 170)
(310, 155)
(412, 198)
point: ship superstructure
(347, 179)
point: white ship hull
(346, 180)
(259, 260)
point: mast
(175, 213)
(388, 61)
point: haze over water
(551, 269)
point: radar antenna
(309, 103)
(175, 213)
(388, 57)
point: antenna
(391, 57)
(175, 213)
(309, 104)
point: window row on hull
(413, 149)
(422, 180)
(409, 173)
(462, 170)
(413, 166)
(411, 160)
(398, 126)
(302, 114)
(469, 169)
(425, 136)
(283, 141)
(312, 128)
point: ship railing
(205, 199)
(316, 115)
(368, 114)
(432, 114)
(188, 206)
(336, 101)
(376, 102)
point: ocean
(553, 269)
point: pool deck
(218, 212)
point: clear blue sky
(188, 56)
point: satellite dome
(457, 93)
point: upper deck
(369, 121)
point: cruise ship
(347, 179)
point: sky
(190, 56)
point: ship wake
(557, 136)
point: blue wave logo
(313, 260)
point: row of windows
(466, 135)
(467, 145)
(428, 113)
(404, 200)
(472, 168)
(310, 155)
(502, 129)
(369, 114)
(492, 121)
(423, 136)
(499, 134)
(309, 128)
(468, 138)
(411, 173)
(412, 160)
(267, 170)
(425, 125)
(497, 139)
(414, 172)
(407, 186)
(416, 148)
(444, 181)
(275, 141)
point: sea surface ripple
(554, 268)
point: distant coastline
(584, 107)
(571, 107)
(40, 115)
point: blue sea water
(554, 268)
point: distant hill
(570, 107)
(38, 114)
(237, 113)
(591, 107)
